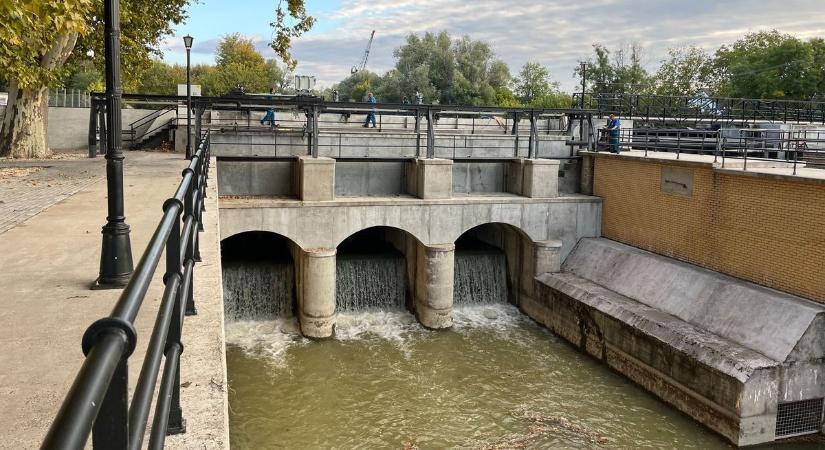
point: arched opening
(489, 263)
(258, 276)
(374, 269)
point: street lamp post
(187, 41)
(116, 252)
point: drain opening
(799, 418)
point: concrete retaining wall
(69, 127)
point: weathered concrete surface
(316, 292)
(46, 269)
(719, 349)
(326, 224)
(316, 178)
(435, 268)
(69, 127)
(434, 178)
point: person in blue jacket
(371, 115)
(270, 112)
(613, 126)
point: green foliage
(284, 33)
(770, 64)
(686, 71)
(84, 76)
(36, 35)
(533, 82)
(616, 71)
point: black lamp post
(187, 41)
(116, 252)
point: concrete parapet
(547, 256)
(435, 268)
(534, 178)
(316, 179)
(586, 180)
(433, 178)
(316, 292)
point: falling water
(370, 281)
(480, 276)
(257, 290)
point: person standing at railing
(370, 115)
(613, 126)
(270, 112)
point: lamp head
(187, 41)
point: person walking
(370, 115)
(270, 112)
(613, 126)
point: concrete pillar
(316, 293)
(539, 257)
(586, 180)
(534, 178)
(433, 178)
(316, 179)
(435, 268)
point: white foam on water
(270, 338)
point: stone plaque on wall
(678, 181)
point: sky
(556, 33)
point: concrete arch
(510, 226)
(404, 232)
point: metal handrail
(97, 402)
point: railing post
(417, 133)
(92, 131)
(430, 134)
(532, 149)
(516, 133)
(189, 211)
(111, 428)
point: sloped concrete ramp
(735, 356)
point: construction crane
(363, 64)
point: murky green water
(496, 381)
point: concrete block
(316, 179)
(434, 178)
(547, 256)
(540, 178)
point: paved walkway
(50, 255)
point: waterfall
(480, 276)
(371, 281)
(257, 290)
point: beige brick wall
(759, 228)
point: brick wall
(765, 229)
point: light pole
(116, 252)
(187, 41)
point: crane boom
(363, 64)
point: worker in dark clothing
(405, 100)
(270, 112)
(371, 115)
(613, 126)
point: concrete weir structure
(530, 221)
(742, 359)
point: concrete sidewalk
(48, 263)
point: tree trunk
(23, 130)
(23, 134)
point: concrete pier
(316, 292)
(435, 267)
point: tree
(533, 82)
(284, 33)
(686, 71)
(616, 71)
(769, 64)
(40, 36)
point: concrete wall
(758, 227)
(244, 178)
(69, 127)
(370, 178)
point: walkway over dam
(694, 280)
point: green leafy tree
(533, 82)
(616, 71)
(769, 64)
(163, 79)
(686, 71)
(40, 36)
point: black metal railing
(98, 401)
(754, 144)
(701, 108)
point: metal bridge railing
(69, 98)
(97, 402)
(701, 108)
(781, 146)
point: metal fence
(69, 98)
(700, 108)
(754, 144)
(98, 400)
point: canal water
(496, 380)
